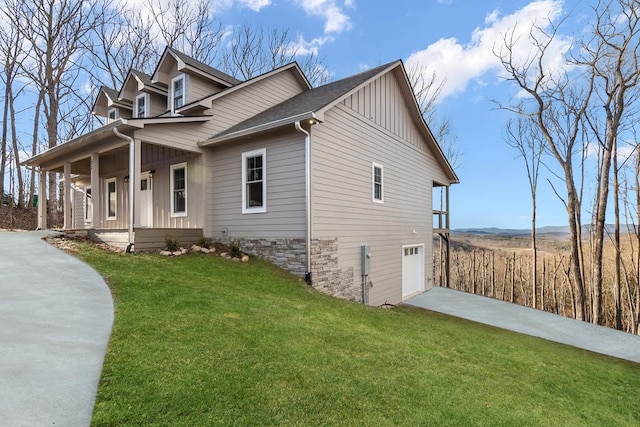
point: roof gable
(312, 104)
(309, 104)
(185, 63)
(136, 82)
(205, 102)
(106, 99)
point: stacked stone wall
(289, 254)
(326, 274)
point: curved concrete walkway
(55, 320)
(531, 322)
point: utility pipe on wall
(307, 190)
(132, 182)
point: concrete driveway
(55, 320)
(532, 322)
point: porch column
(66, 205)
(95, 190)
(42, 201)
(135, 180)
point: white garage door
(412, 270)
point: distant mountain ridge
(549, 230)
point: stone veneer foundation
(289, 254)
(326, 276)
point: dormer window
(112, 115)
(177, 95)
(142, 106)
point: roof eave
(69, 145)
(263, 127)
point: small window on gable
(178, 94)
(112, 115)
(254, 181)
(112, 198)
(142, 106)
(377, 183)
(179, 190)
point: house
(333, 183)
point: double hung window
(178, 189)
(254, 182)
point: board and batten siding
(285, 216)
(251, 100)
(382, 102)
(159, 159)
(343, 150)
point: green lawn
(200, 341)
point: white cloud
(255, 5)
(336, 20)
(459, 64)
(301, 47)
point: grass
(199, 341)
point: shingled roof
(309, 101)
(204, 67)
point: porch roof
(93, 140)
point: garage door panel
(412, 270)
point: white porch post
(66, 205)
(95, 190)
(42, 201)
(135, 180)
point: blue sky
(455, 38)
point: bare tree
(428, 89)
(191, 30)
(122, 39)
(255, 50)
(10, 50)
(557, 103)
(523, 135)
(611, 55)
(53, 32)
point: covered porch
(123, 188)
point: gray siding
(199, 87)
(285, 216)
(183, 136)
(247, 102)
(159, 159)
(343, 149)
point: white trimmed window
(254, 181)
(88, 205)
(178, 93)
(142, 106)
(112, 198)
(112, 115)
(377, 180)
(179, 190)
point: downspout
(117, 133)
(307, 190)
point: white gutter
(259, 128)
(132, 182)
(307, 190)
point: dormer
(109, 106)
(148, 99)
(187, 79)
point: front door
(146, 200)
(412, 270)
